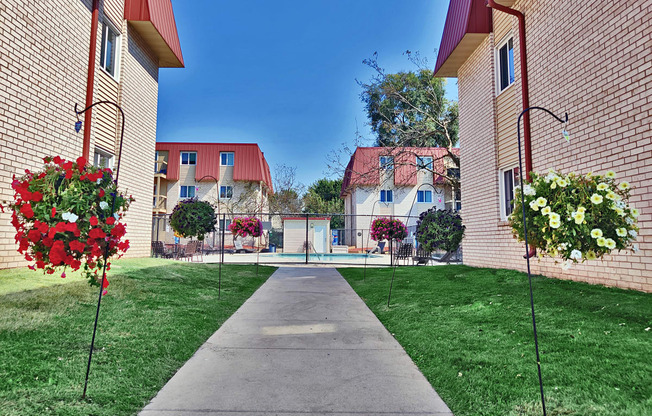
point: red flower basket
(65, 216)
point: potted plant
(576, 217)
(388, 229)
(193, 218)
(440, 230)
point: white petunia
(623, 186)
(542, 202)
(567, 265)
(576, 255)
(529, 190)
(104, 205)
(116, 216)
(596, 199)
(621, 232)
(635, 212)
(596, 233)
(629, 220)
(534, 206)
(611, 244)
(633, 233)
(69, 216)
(546, 210)
(602, 186)
(610, 174)
(99, 181)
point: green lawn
(156, 315)
(470, 332)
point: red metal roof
(249, 162)
(467, 23)
(363, 168)
(154, 21)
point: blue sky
(283, 73)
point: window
(110, 53)
(505, 64)
(188, 158)
(226, 158)
(508, 180)
(424, 196)
(102, 159)
(387, 162)
(187, 191)
(226, 192)
(228, 222)
(424, 162)
(387, 196)
(453, 172)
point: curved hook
(122, 130)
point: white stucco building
(393, 182)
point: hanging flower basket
(246, 226)
(388, 229)
(574, 217)
(64, 216)
(193, 218)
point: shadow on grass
(153, 319)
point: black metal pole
(371, 219)
(106, 250)
(307, 240)
(219, 285)
(389, 296)
(527, 254)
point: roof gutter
(90, 81)
(527, 144)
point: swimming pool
(323, 257)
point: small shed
(294, 234)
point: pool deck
(375, 260)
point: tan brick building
(44, 55)
(235, 177)
(593, 61)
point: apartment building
(235, 177)
(590, 60)
(385, 182)
(44, 57)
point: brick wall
(43, 70)
(594, 63)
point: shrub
(245, 226)
(440, 230)
(576, 217)
(65, 216)
(388, 229)
(193, 218)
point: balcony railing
(160, 168)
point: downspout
(90, 81)
(524, 84)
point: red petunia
(69, 174)
(53, 212)
(40, 264)
(81, 163)
(43, 227)
(75, 264)
(96, 233)
(93, 220)
(67, 166)
(77, 245)
(102, 193)
(123, 245)
(57, 160)
(105, 282)
(48, 241)
(96, 251)
(110, 220)
(34, 236)
(119, 230)
(27, 211)
(72, 227)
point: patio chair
(422, 257)
(404, 252)
(160, 250)
(193, 248)
(239, 248)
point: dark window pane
(504, 71)
(192, 158)
(184, 158)
(509, 191)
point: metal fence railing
(299, 238)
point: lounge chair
(159, 250)
(239, 248)
(422, 258)
(378, 249)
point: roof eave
(460, 54)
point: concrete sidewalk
(303, 344)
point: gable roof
(468, 22)
(364, 169)
(249, 162)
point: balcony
(160, 169)
(159, 206)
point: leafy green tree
(409, 109)
(323, 196)
(193, 218)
